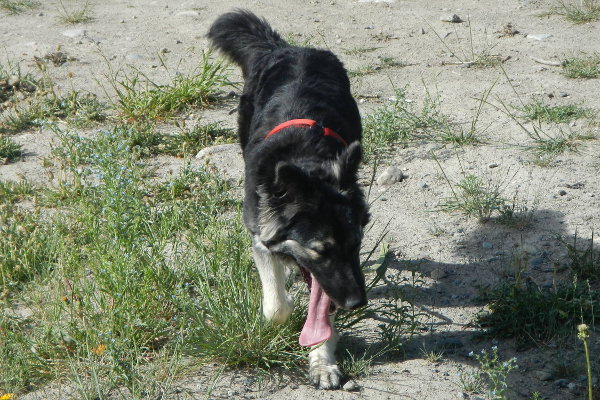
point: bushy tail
(243, 37)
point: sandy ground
(454, 255)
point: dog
(300, 131)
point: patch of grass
(11, 192)
(9, 150)
(533, 315)
(539, 111)
(76, 15)
(76, 109)
(13, 81)
(582, 68)
(140, 99)
(585, 262)
(547, 146)
(17, 6)
(578, 11)
(474, 197)
(189, 141)
(356, 51)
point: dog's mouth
(317, 327)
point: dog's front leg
(322, 366)
(277, 303)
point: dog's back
(284, 82)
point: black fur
(300, 185)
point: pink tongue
(317, 328)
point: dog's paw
(278, 311)
(325, 376)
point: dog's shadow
(446, 297)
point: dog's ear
(348, 163)
(292, 179)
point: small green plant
(356, 51)
(582, 68)
(17, 6)
(11, 192)
(140, 99)
(495, 371)
(384, 63)
(578, 11)
(9, 150)
(13, 81)
(433, 356)
(539, 111)
(583, 334)
(474, 196)
(78, 15)
(585, 263)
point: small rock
(134, 57)
(422, 185)
(74, 33)
(350, 386)
(438, 274)
(537, 262)
(451, 18)
(40, 14)
(177, 41)
(189, 13)
(563, 94)
(164, 50)
(390, 176)
(543, 375)
(539, 36)
(572, 387)
(561, 383)
(493, 165)
(487, 245)
(231, 393)
(562, 192)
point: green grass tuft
(578, 11)
(582, 68)
(539, 111)
(18, 6)
(9, 150)
(475, 197)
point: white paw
(278, 311)
(325, 376)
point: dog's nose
(354, 302)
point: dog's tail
(243, 37)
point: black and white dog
(300, 132)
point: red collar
(306, 123)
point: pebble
(451, 18)
(134, 57)
(189, 13)
(563, 94)
(390, 176)
(539, 36)
(350, 386)
(561, 382)
(74, 33)
(493, 165)
(562, 192)
(422, 185)
(164, 50)
(543, 375)
(487, 245)
(438, 274)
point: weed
(384, 63)
(516, 214)
(9, 150)
(17, 6)
(356, 51)
(539, 111)
(433, 356)
(13, 81)
(140, 99)
(189, 141)
(11, 192)
(579, 12)
(297, 40)
(76, 15)
(583, 334)
(582, 68)
(474, 196)
(495, 371)
(585, 263)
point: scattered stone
(422, 185)
(572, 387)
(40, 14)
(543, 375)
(539, 36)
(189, 13)
(451, 18)
(562, 192)
(177, 41)
(561, 383)
(487, 245)
(390, 176)
(350, 386)
(508, 30)
(563, 94)
(438, 274)
(493, 165)
(578, 185)
(134, 57)
(209, 151)
(74, 33)
(164, 50)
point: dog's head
(316, 215)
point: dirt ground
(455, 255)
